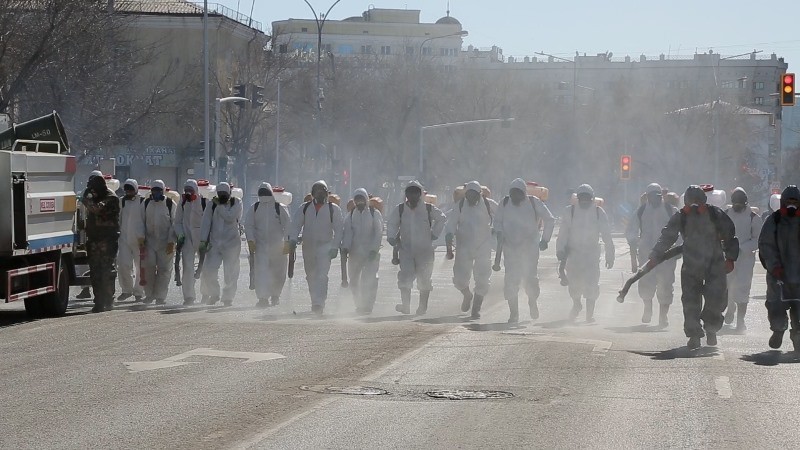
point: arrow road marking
(175, 361)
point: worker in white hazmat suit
(413, 226)
(266, 225)
(748, 227)
(131, 237)
(470, 223)
(579, 235)
(518, 234)
(361, 241)
(157, 214)
(643, 230)
(221, 244)
(320, 223)
(188, 221)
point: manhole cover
(347, 390)
(457, 394)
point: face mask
(320, 196)
(189, 197)
(223, 197)
(130, 194)
(791, 210)
(738, 207)
(264, 193)
(157, 196)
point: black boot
(477, 301)
(467, 300)
(513, 307)
(423, 302)
(590, 310)
(663, 321)
(405, 299)
(776, 340)
(647, 315)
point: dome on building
(448, 20)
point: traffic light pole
(447, 125)
(217, 134)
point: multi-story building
(173, 29)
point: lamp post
(217, 134)
(206, 95)
(278, 136)
(320, 97)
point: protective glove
(333, 253)
(292, 244)
(373, 255)
(215, 200)
(141, 242)
(392, 241)
(181, 240)
(729, 265)
(777, 272)
(434, 237)
(251, 246)
(542, 245)
(204, 246)
(170, 248)
(287, 248)
(448, 238)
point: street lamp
(320, 96)
(217, 134)
(574, 77)
(206, 95)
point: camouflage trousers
(103, 273)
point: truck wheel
(55, 304)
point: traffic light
(258, 95)
(345, 178)
(239, 90)
(787, 89)
(625, 167)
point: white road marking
(174, 361)
(723, 385)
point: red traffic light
(625, 167)
(787, 89)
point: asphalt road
(175, 377)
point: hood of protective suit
(585, 189)
(362, 192)
(320, 183)
(158, 184)
(694, 194)
(775, 202)
(653, 187)
(266, 186)
(132, 182)
(224, 187)
(415, 183)
(519, 183)
(96, 173)
(473, 186)
(791, 191)
(739, 195)
(192, 183)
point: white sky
(624, 27)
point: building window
(758, 100)
(742, 83)
(304, 30)
(345, 49)
(758, 85)
(366, 49)
(448, 52)
(386, 50)
(365, 32)
(409, 51)
(427, 51)
(728, 84)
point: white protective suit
(221, 230)
(643, 230)
(472, 228)
(160, 242)
(579, 241)
(188, 221)
(519, 226)
(131, 232)
(416, 229)
(268, 227)
(322, 231)
(748, 227)
(361, 238)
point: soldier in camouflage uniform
(102, 233)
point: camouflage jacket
(102, 217)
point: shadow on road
(772, 358)
(14, 318)
(398, 318)
(679, 353)
(638, 329)
(556, 323)
(445, 320)
(500, 326)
